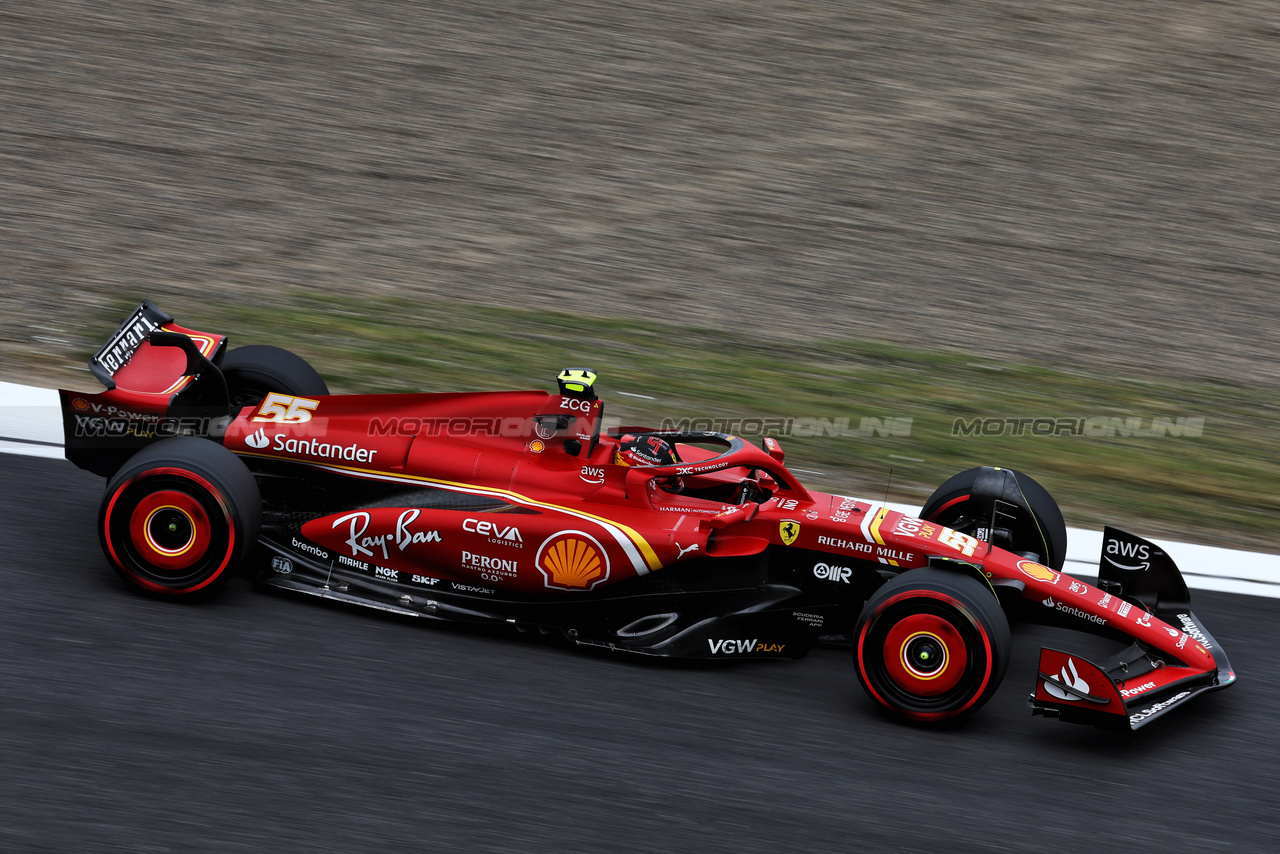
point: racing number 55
(285, 409)
(963, 542)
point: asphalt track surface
(259, 722)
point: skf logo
(572, 560)
(789, 530)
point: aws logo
(1136, 555)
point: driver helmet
(636, 450)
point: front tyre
(931, 646)
(1003, 507)
(179, 518)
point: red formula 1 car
(517, 508)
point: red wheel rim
(936, 513)
(925, 655)
(170, 530)
(875, 657)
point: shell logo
(1037, 571)
(572, 560)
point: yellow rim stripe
(170, 552)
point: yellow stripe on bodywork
(875, 532)
(646, 551)
(875, 525)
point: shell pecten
(572, 560)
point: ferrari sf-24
(516, 508)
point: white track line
(31, 425)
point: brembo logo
(310, 549)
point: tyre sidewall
(963, 601)
(1043, 507)
(258, 369)
(214, 482)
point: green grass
(1219, 487)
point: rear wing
(161, 380)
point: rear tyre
(251, 372)
(1034, 525)
(180, 517)
(931, 646)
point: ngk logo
(832, 573)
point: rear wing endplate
(121, 346)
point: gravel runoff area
(1085, 183)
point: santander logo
(257, 440)
(1070, 677)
